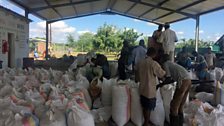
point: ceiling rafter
(74, 7)
(164, 8)
(63, 5)
(159, 4)
(77, 16)
(113, 2)
(53, 8)
(26, 8)
(180, 9)
(132, 6)
(135, 17)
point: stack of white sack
(198, 113)
(44, 97)
(126, 105)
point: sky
(211, 25)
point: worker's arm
(168, 80)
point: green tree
(107, 39)
(130, 35)
(191, 43)
(70, 40)
(85, 42)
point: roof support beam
(77, 16)
(159, 4)
(47, 40)
(197, 29)
(26, 8)
(163, 8)
(182, 8)
(178, 20)
(27, 13)
(130, 8)
(126, 15)
(62, 5)
(74, 8)
(216, 9)
(53, 8)
(111, 4)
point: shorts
(148, 103)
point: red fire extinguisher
(4, 46)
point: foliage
(32, 46)
(108, 39)
(130, 35)
(70, 40)
(191, 43)
(85, 42)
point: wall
(19, 27)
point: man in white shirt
(168, 39)
(139, 52)
(210, 58)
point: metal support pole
(26, 13)
(197, 32)
(47, 40)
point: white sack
(79, 117)
(218, 73)
(87, 97)
(82, 82)
(158, 115)
(167, 93)
(106, 93)
(136, 108)
(205, 97)
(7, 118)
(120, 104)
(6, 90)
(193, 75)
(101, 114)
(56, 118)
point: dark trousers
(121, 70)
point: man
(101, 60)
(200, 66)
(168, 39)
(181, 76)
(139, 52)
(156, 34)
(147, 71)
(124, 60)
(183, 58)
(153, 41)
(210, 58)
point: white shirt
(209, 58)
(138, 53)
(168, 39)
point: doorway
(11, 52)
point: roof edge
(15, 14)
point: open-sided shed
(155, 11)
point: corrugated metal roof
(157, 11)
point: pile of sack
(121, 99)
(44, 97)
(199, 113)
